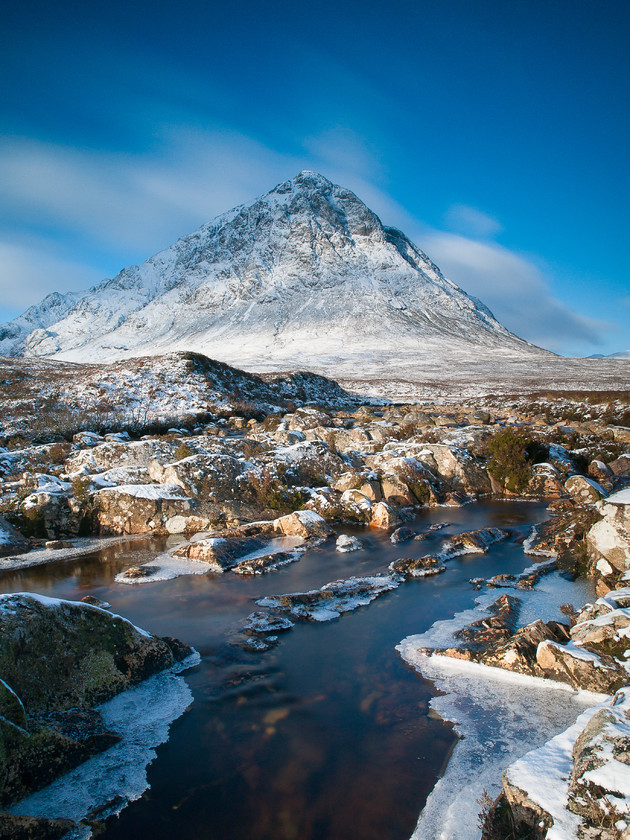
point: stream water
(329, 735)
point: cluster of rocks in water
(251, 494)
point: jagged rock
(603, 626)
(598, 786)
(584, 490)
(11, 540)
(610, 537)
(139, 508)
(135, 572)
(333, 599)
(580, 668)
(477, 542)
(266, 563)
(578, 782)
(60, 658)
(417, 566)
(303, 523)
(383, 516)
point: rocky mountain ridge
(305, 276)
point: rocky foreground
(251, 486)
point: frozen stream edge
(499, 715)
(142, 716)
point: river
(327, 736)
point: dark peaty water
(326, 737)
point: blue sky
(495, 134)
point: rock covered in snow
(585, 490)
(345, 543)
(609, 539)
(302, 523)
(383, 516)
(58, 660)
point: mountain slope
(306, 276)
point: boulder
(456, 466)
(476, 542)
(308, 418)
(545, 482)
(179, 524)
(599, 470)
(347, 543)
(52, 515)
(395, 491)
(383, 516)
(302, 523)
(621, 465)
(221, 552)
(579, 667)
(621, 434)
(105, 456)
(59, 659)
(311, 461)
(585, 491)
(356, 498)
(417, 566)
(11, 540)
(610, 537)
(139, 508)
(402, 534)
(346, 481)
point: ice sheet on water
(143, 716)
(500, 715)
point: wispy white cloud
(470, 221)
(514, 288)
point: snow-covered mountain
(305, 277)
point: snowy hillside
(306, 277)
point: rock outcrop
(58, 660)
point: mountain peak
(306, 276)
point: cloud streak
(515, 290)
